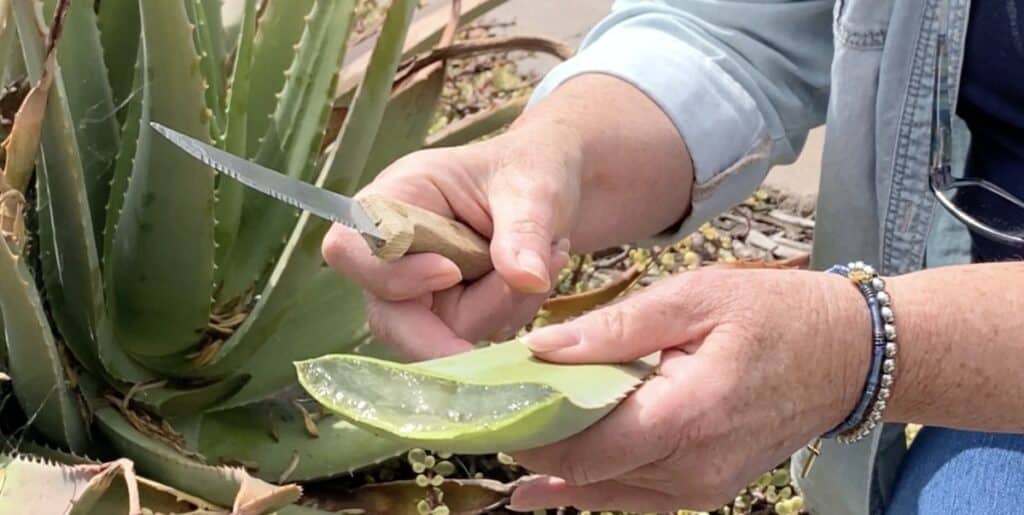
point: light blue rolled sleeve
(742, 81)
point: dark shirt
(992, 104)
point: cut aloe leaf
(498, 398)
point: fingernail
(521, 509)
(552, 338)
(446, 279)
(559, 261)
(531, 262)
(563, 245)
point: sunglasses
(940, 177)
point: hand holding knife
(392, 228)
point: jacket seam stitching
(759, 151)
(867, 39)
(908, 120)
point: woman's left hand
(754, 365)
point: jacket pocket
(861, 23)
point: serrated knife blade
(318, 201)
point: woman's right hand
(521, 190)
(596, 162)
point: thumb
(640, 325)
(529, 217)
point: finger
(490, 308)
(639, 325)
(527, 215)
(445, 181)
(543, 493)
(641, 430)
(347, 253)
(412, 329)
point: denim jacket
(744, 81)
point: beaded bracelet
(868, 412)
(880, 375)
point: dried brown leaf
(257, 497)
(568, 306)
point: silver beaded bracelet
(866, 416)
(881, 374)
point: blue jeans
(948, 471)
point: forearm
(961, 355)
(636, 174)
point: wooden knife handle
(408, 229)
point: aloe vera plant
(153, 312)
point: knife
(392, 228)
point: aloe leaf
(47, 452)
(230, 192)
(497, 398)
(160, 272)
(69, 257)
(34, 360)
(171, 402)
(218, 485)
(329, 316)
(154, 496)
(79, 337)
(212, 10)
(424, 34)
(33, 485)
(406, 121)
(22, 146)
(478, 125)
(90, 101)
(280, 28)
(355, 140)
(203, 36)
(272, 436)
(117, 364)
(119, 25)
(472, 10)
(44, 480)
(299, 263)
(291, 142)
(7, 39)
(123, 163)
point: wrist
(636, 174)
(917, 382)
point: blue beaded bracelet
(868, 411)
